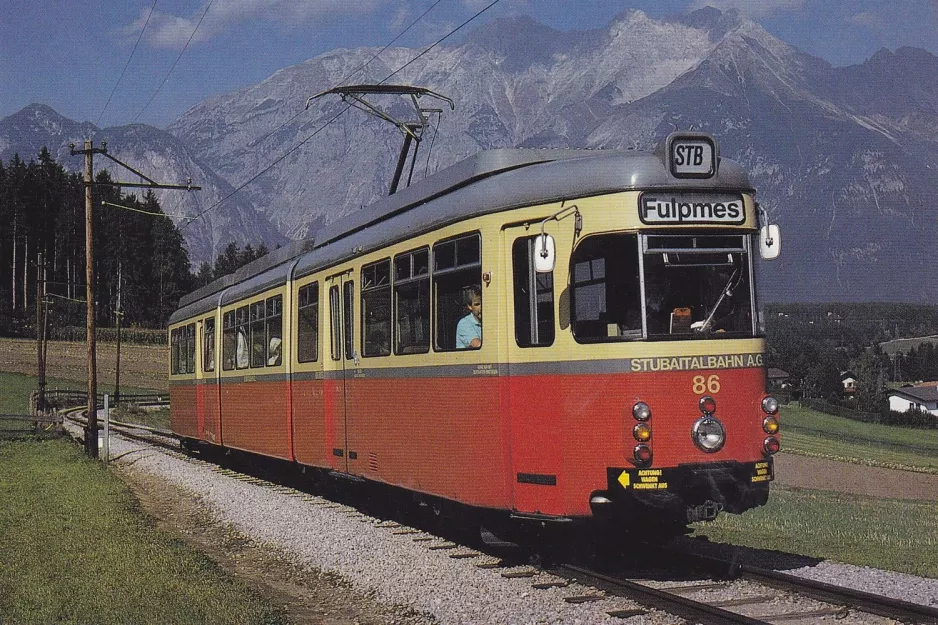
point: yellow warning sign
(624, 479)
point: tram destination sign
(691, 208)
(692, 157)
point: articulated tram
(615, 362)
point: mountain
(161, 157)
(844, 158)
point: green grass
(16, 387)
(813, 433)
(76, 549)
(883, 533)
(152, 417)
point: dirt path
(306, 597)
(844, 477)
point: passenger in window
(469, 329)
(242, 361)
(273, 351)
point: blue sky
(69, 54)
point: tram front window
(605, 295)
(697, 286)
(693, 287)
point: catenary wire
(352, 73)
(150, 213)
(336, 116)
(176, 62)
(127, 64)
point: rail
(66, 397)
(848, 598)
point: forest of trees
(141, 256)
(814, 343)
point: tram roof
(488, 182)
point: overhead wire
(339, 114)
(176, 62)
(127, 64)
(145, 212)
(352, 73)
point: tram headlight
(708, 405)
(769, 405)
(708, 434)
(641, 411)
(642, 455)
(642, 432)
(771, 445)
(770, 425)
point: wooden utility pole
(91, 429)
(120, 314)
(40, 333)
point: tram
(617, 370)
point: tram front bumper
(693, 489)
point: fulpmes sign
(691, 208)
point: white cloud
(173, 31)
(868, 20)
(753, 8)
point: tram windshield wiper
(704, 326)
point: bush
(911, 419)
(136, 336)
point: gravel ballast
(378, 558)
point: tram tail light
(641, 411)
(770, 425)
(642, 455)
(769, 405)
(771, 445)
(642, 432)
(708, 405)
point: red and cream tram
(619, 367)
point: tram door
(343, 359)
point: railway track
(759, 605)
(769, 597)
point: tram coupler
(707, 511)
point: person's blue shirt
(467, 329)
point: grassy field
(813, 433)
(883, 533)
(76, 549)
(16, 387)
(142, 366)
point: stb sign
(692, 156)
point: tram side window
(258, 335)
(173, 352)
(208, 345)
(274, 321)
(335, 308)
(412, 302)
(348, 319)
(605, 294)
(376, 309)
(190, 348)
(242, 359)
(534, 297)
(183, 350)
(229, 340)
(457, 285)
(307, 335)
